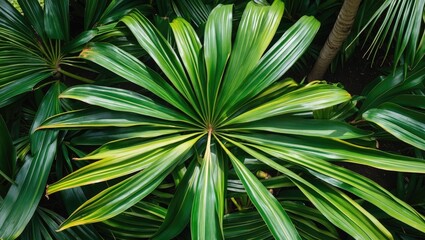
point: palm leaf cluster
(216, 107)
(402, 28)
(192, 127)
(37, 50)
(392, 29)
(396, 104)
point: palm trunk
(337, 36)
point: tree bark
(336, 38)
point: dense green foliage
(184, 124)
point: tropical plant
(396, 104)
(217, 116)
(37, 49)
(396, 27)
(399, 27)
(393, 106)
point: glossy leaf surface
(22, 198)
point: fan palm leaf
(36, 50)
(225, 102)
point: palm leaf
(305, 127)
(388, 87)
(206, 218)
(91, 13)
(250, 224)
(217, 48)
(269, 208)
(120, 100)
(140, 221)
(179, 210)
(10, 91)
(335, 205)
(135, 71)
(94, 118)
(22, 198)
(116, 199)
(308, 98)
(102, 136)
(336, 150)
(189, 47)
(356, 184)
(405, 124)
(56, 20)
(34, 13)
(195, 10)
(115, 161)
(401, 26)
(43, 226)
(275, 62)
(160, 50)
(257, 27)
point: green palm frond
(396, 104)
(399, 25)
(37, 49)
(219, 104)
(22, 197)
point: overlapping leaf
(206, 218)
(305, 127)
(269, 208)
(336, 150)
(119, 159)
(256, 30)
(139, 222)
(56, 21)
(120, 100)
(189, 47)
(121, 196)
(308, 98)
(180, 208)
(335, 205)
(160, 50)
(22, 198)
(276, 61)
(217, 48)
(403, 123)
(135, 71)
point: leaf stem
(236, 204)
(76, 77)
(7, 177)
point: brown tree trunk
(339, 33)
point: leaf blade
(161, 51)
(277, 220)
(403, 123)
(56, 19)
(305, 127)
(116, 199)
(205, 221)
(308, 98)
(22, 198)
(120, 100)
